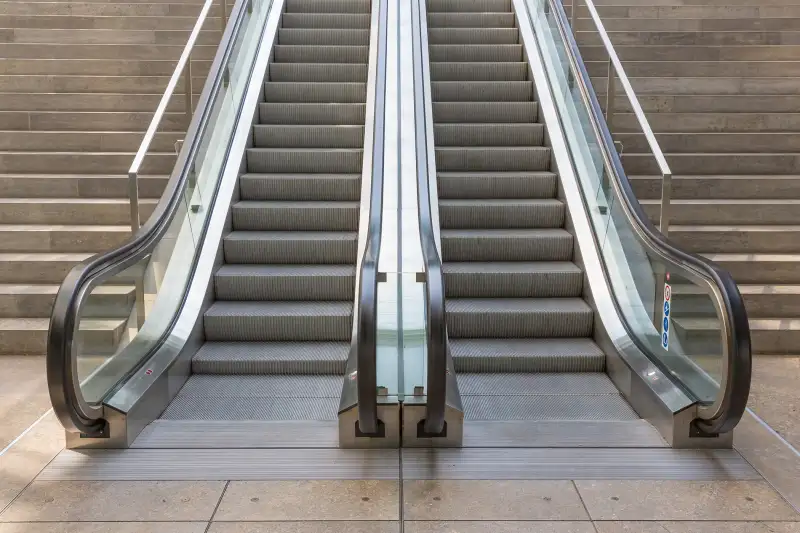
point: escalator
(557, 287)
(525, 303)
(241, 333)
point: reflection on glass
(125, 316)
(648, 288)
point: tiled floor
(23, 394)
(775, 396)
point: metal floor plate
(199, 434)
(576, 463)
(206, 465)
(561, 434)
(548, 407)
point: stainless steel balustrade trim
(74, 412)
(182, 69)
(615, 66)
(727, 409)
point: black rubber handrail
(436, 339)
(68, 403)
(366, 330)
(736, 389)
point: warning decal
(665, 318)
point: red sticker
(148, 371)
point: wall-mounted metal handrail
(182, 69)
(727, 409)
(616, 70)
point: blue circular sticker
(666, 308)
(664, 340)
(666, 324)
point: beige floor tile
(774, 395)
(23, 394)
(498, 527)
(304, 527)
(117, 501)
(683, 500)
(492, 500)
(105, 527)
(310, 500)
(22, 462)
(696, 527)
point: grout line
(583, 503)
(216, 507)
(21, 435)
(21, 492)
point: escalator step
(472, 36)
(292, 136)
(300, 94)
(318, 72)
(476, 52)
(506, 245)
(501, 214)
(309, 160)
(291, 247)
(488, 134)
(252, 215)
(334, 187)
(541, 279)
(491, 95)
(322, 37)
(497, 184)
(466, 72)
(271, 358)
(312, 113)
(469, 6)
(527, 355)
(285, 282)
(471, 20)
(493, 158)
(326, 6)
(321, 54)
(326, 20)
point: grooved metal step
(501, 134)
(471, 20)
(321, 54)
(517, 279)
(326, 20)
(302, 160)
(506, 245)
(501, 214)
(287, 136)
(285, 282)
(326, 6)
(318, 72)
(527, 355)
(476, 52)
(291, 247)
(271, 358)
(312, 114)
(247, 434)
(279, 321)
(299, 216)
(472, 35)
(490, 94)
(340, 187)
(323, 37)
(303, 94)
(518, 317)
(477, 185)
(472, 71)
(493, 158)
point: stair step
(774, 336)
(94, 10)
(312, 114)
(701, 69)
(542, 279)
(28, 336)
(717, 103)
(95, 67)
(476, 52)
(291, 247)
(478, 185)
(292, 136)
(326, 6)
(506, 245)
(707, 122)
(527, 355)
(705, 86)
(91, 121)
(773, 52)
(321, 54)
(61, 238)
(77, 141)
(513, 158)
(494, 71)
(36, 301)
(494, 94)
(714, 142)
(304, 160)
(326, 20)
(252, 215)
(77, 186)
(700, 23)
(724, 163)
(715, 212)
(69, 211)
(237, 358)
(720, 187)
(83, 162)
(278, 321)
(322, 37)
(500, 134)
(299, 94)
(299, 187)
(285, 282)
(59, 36)
(38, 267)
(471, 20)
(519, 318)
(318, 72)
(103, 51)
(739, 238)
(472, 35)
(762, 301)
(760, 268)
(501, 214)
(122, 20)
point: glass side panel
(123, 318)
(670, 311)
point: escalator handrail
(436, 325)
(68, 403)
(730, 406)
(366, 328)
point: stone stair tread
(48, 289)
(756, 324)
(43, 324)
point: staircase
(278, 334)
(79, 82)
(520, 330)
(719, 83)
